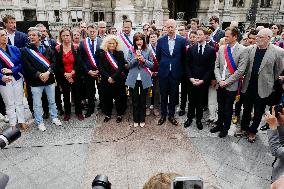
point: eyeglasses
(274, 28)
(181, 29)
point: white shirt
(171, 43)
(225, 65)
(203, 47)
(45, 41)
(214, 33)
(12, 38)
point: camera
(187, 183)
(8, 136)
(101, 182)
(278, 109)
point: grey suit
(269, 71)
(135, 67)
(240, 58)
(276, 142)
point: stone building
(69, 12)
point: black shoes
(215, 129)
(172, 120)
(187, 123)
(107, 118)
(223, 133)
(162, 120)
(181, 112)
(118, 119)
(88, 114)
(199, 125)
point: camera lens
(9, 135)
(101, 182)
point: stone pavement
(69, 157)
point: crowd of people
(214, 69)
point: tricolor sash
(144, 67)
(229, 60)
(125, 39)
(112, 61)
(6, 58)
(39, 57)
(156, 64)
(90, 53)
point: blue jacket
(20, 40)
(176, 60)
(15, 56)
(135, 67)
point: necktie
(200, 50)
(93, 43)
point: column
(123, 7)
(41, 10)
(64, 12)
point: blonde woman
(111, 67)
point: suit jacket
(219, 34)
(240, 58)
(270, 69)
(106, 70)
(84, 56)
(165, 59)
(135, 67)
(77, 65)
(276, 142)
(15, 56)
(51, 43)
(20, 40)
(200, 66)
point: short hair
(7, 18)
(154, 33)
(153, 27)
(39, 25)
(102, 23)
(205, 31)
(107, 39)
(83, 22)
(161, 181)
(127, 20)
(76, 30)
(192, 32)
(195, 20)
(252, 32)
(214, 18)
(138, 36)
(181, 25)
(146, 24)
(35, 29)
(267, 31)
(94, 26)
(234, 31)
(64, 29)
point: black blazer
(106, 70)
(200, 66)
(77, 66)
(219, 34)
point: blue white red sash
(90, 53)
(111, 60)
(148, 71)
(125, 39)
(6, 58)
(39, 57)
(156, 64)
(229, 59)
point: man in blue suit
(218, 32)
(15, 38)
(171, 50)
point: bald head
(171, 27)
(263, 38)
(266, 32)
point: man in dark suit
(89, 57)
(15, 38)
(45, 38)
(170, 54)
(218, 32)
(200, 63)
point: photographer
(276, 141)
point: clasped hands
(69, 76)
(44, 76)
(6, 78)
(196, 82)
(223, 84)
(140, 58)
(93, 73)
(271, 119)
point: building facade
(69, 12)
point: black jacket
(106, 70)
(200, 66)
(32, 68)
(77, 65)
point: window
(99, 16)
(265, 3)
(76, 16)
(29, 15)
(56, 14)
(238, 3)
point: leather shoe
(199, 125)
(118, 119)
(223, 134)
(181, 112)
(66, 117)
(88, 114)
(106, 119)
(187, 123)
(215, 129)
(173, 120)
(162, 120)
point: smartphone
(194, 182)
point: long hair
(63, 30)
(107, 39)
(137, 36)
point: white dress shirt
(225, 65)
(12, 38)
(171, 43)
(203, 47)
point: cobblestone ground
(69, 157)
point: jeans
(37, 103)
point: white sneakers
(56, 122)
(41, 127)
(142, 124)
(135, 124)
(4, 118)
